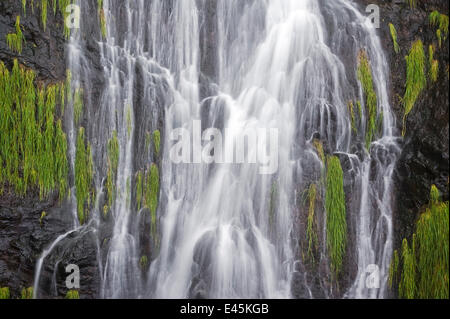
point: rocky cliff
(424, 160)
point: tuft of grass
(336, 214)
(72, 294)
(319, 149)
(311, 233)
(415, 78)
(366, 80)
(113, 163)
(407, 285)
(102, 18)
(4, 293)
(83, 176)
(412, 3)
(157, 141)
(26, 293)
(394, 37)
(78, 105)
(393, 269)
(425, 272)
(15, 40)
(143, 262)
(44, 5)
(351, 110)
(439, 21)
(152, 193)
(32, 144)
(139, 189)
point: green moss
(15, 40)
(352, 116)
(139, 189)
(32, 144)
(113, 163)
(336, 215)
(425, 272)
(407, 285)
(102, 18)
(129, 121)
(415, 78)
(44, 4)
(41, 219)
(394, 37)
(83, 176)
(157, 141)
(412, 3)
(143, 262)
(152, 192)
(366, 80)
(61, 165)
(78, 105)
(311, 233)
(393, 269)
(4, 293)
(72, 294)
(440, 21)
(26, 293)
(319, 149)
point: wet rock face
(43, 52)
(23, 237)
(425, 156)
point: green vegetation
(157, 141)
(415, 78)
(113, 163)
(152, 193)
(15, 40)
(41, 219)
(84, 173)
(78, 105)
(129, 121)
(366, 80)
(311, 233)
(319, 149)
(273, 202)
(61, 4)
(407, 283)
(143, 262)
(44, 4)
(336, 215)
(4, 293)
(412, 3)
(26, 293)
(394, 37)
(33, 146)
(102, 18)
(393, 269)
(139, 189)
(147, 191)
(72, 294)
(440, 21)
(352, 116)
(425, 271)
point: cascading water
(225, 230)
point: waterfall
(226, 230)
